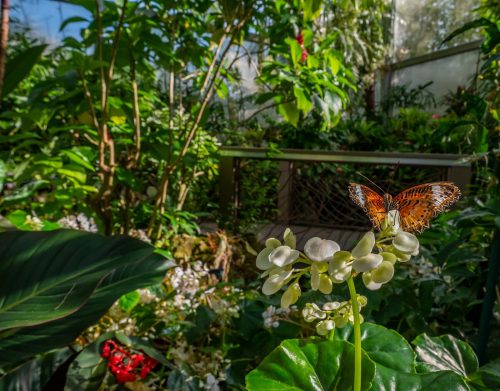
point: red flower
(124, 365)
(300, 38)
(304, 55)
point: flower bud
(383, 273)
(273, 243)
(311, 312)
(369, 283)
(367, 263)
(320, 250)
(340, 321)
(405, 242)
(275, 281)
(290, 296)
(362, 300)
(315, 277)
(289, 238)
(283, 255)
(333, 305)
(365, 245)
(325, 284)
(262, 261)
(389, 257)
(323, 327)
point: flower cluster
(124, 365)
(332, 314)
(34, 223)
(373, 258)
(186, 282)
(273, 315)
(79, 222)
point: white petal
(289, 238)
(383, 273)
(273, 243)
(339, 260)
(320, 250)
(369, 283)
(367, 263)
(341, 275)
(365, 245)
(323, 327)
(405, 242)
(325, 284)
(275, 281)
(283, 255)
(290, 296)
(263, 262)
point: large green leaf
(56, 272)
(444, 353)
(120, 264)
(395, 362)
(88, 369)
(309, 365)
(487, 377)
(35, 374)
(19, 67)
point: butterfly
(416, 205)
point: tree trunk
(4, 35)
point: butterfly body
(415, 206)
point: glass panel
(446, 74)
(421, 26)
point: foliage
(441, 362)
(79, 276)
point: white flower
(312, 312)
(321, 250)
(275, 281)
(406, 243)
(383, 273)
(365, 245)
(325, 326)
(367, 262)
(283, 255)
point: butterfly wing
(418, 204)
(371, 202)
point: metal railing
(309, 188)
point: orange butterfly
(416, 205)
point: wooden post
(228, 188)
(460, 175)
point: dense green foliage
(117, 131)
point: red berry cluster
(126, 366)
(300, 39)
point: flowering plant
(125, 365)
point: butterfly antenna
(369, 180)
(393, 177)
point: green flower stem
(357, 335)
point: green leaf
(35, 374)
(310, 365)
(50, 267)
(295, 50)
(290, 113)
(141, 344)
(303, 103)
(23, 193)
(395, 362)
(481, 22)
(311, 8)
(129, 301)
(19, 67)
(73, 19)
(488, 376)
(88, 370)
(74, 172)
(444, 353)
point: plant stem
(357, 335)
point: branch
(4, 36)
